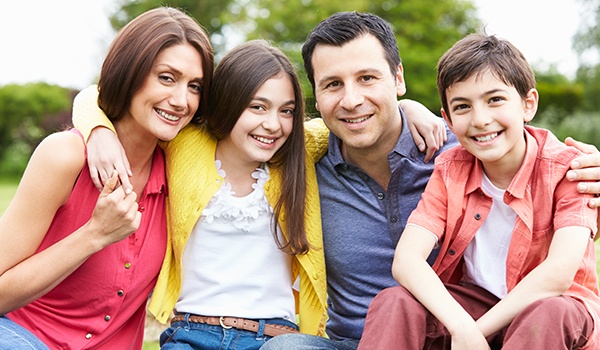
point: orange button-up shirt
(454, 206)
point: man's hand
(586, 170)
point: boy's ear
(530, 105)
(447, 118)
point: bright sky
(64, 41)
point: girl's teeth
(264, 140)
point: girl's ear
(447, 118)
(530, 105)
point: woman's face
(171, 92)
(264, 125)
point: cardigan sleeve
(86, 113)
(316, 136)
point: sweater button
(477, 216)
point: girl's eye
(258, 107)
(496, 99)
(288, 111)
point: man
(373, 174)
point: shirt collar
(520, 181)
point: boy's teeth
(486, 138)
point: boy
(516, 267)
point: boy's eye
(460, 107)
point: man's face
(357, 94)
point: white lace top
(231, 264)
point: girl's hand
(105, 155)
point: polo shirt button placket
(88, 336)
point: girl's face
(170, 95)
(265, 124)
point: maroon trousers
(396, 320)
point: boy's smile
(488, 116)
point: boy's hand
(586, 169)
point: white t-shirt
(485, 256)
(231, 263)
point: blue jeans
(308, 342)
(15, 337)
(188, 335)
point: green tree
(211, 14)
(424, 29)
(29, 113)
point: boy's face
(487, 116)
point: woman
(85, 262)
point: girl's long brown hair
(237, 77)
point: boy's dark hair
(134, 49)
(343, 27)
(478, 53)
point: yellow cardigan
(193, 180)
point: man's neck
(373, 160)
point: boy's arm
(104, 150)
(551, 278)
(411, 270)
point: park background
(562, 42)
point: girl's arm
(427, 129)
(45, 186)
(104, 150)
(551, 278)
(411, 270)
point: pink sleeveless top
(102, 305)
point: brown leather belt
(271, 330)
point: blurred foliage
(28, 113)
(424, 29)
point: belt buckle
(221, 319)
